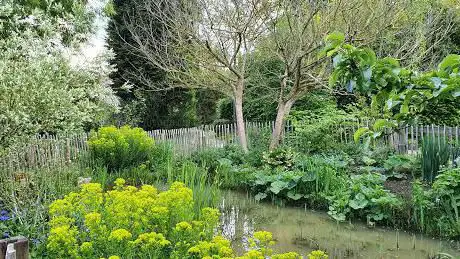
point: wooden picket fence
(48, 151)
(44, 151)
(188, 140)
(406, 138)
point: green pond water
(302, 230)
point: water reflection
(301, 230)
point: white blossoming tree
(42, 89)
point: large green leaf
(333, 41)
(277, 186)
(359, 202)
(309, 176)
(335, 37)
(380, 124)
(359, 133)
(449, 63)
(293, 195)
(260, 196)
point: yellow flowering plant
(130, 222)
(119, 148)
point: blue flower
(3, 212)
(4, 218)
(5, 235)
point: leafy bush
(436, 210)
(364, 198)
(315, 130)
(211, 158)
(41, 92)
(280, 157)
(120, 148)
(311, 179)
(435, 153)
(259, 143)
(398, 165)
(446, 191)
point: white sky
(96, 44)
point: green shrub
(280, 157)
(259, 143)
(436, 209)
(119, 148)
(315, 130)
(364, 197)
(310, 180)
(446, 191)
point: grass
(26, 197)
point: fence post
(22, 248)
(67, 151)
(3, 247)
(14, 248)
(10, 252)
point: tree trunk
(283, 110)
(240, 127)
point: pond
(302, 230)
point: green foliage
(214, 158)
(364, 197)
(259, 142)
(310, 179)
(120, 148)
(399, 94)
(401, 164)
(47, 94)
(446, 190)
(371, 135)
(25, 197)
(435, 154)
(280, 158)
(314, 128)
(162, 158)
(65, 19)
(436, 210)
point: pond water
(301, 230)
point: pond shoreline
(303, 230)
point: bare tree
(203, 43)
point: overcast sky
(96, 43)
